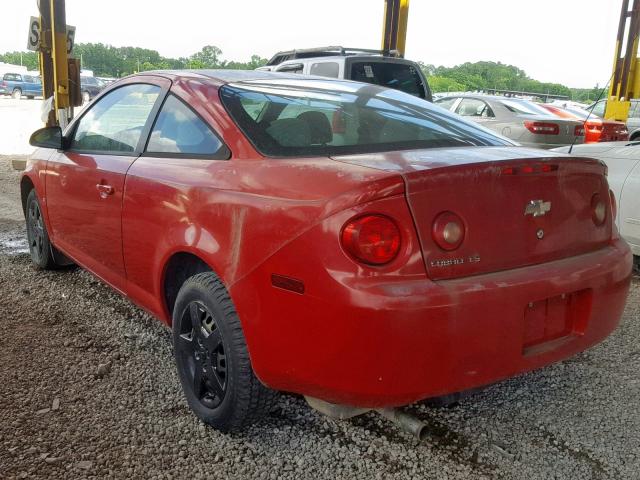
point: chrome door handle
(105, 190)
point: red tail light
(448, 231)
(579, 131)
(543, 168)
(372, 239)
(542, 128)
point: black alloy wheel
(40, 248)
(201, 348)
(212, 357)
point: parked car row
(596, 129)
(520, 120)
(19, 85)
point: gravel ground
(88, 390)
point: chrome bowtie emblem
(537, 208)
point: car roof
(480, 96)
(221, 77)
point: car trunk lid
(519, 206)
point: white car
(623, 160)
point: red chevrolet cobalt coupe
(340, 240)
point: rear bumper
(375, 345)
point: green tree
(208, 57)
(27, 59)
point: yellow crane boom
(625, 81)
(394, 29)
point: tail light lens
(542, 128)
(599, 209)
(448, 231)
(372, 239)
(579, 131)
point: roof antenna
(575, 137)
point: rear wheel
(40, 247)
(30, 97)
(212, 358)
(17, 93)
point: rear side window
(325, 69)
(115, 123)
(472, 107)
(399, 76)
(12, 77)
(179, 130)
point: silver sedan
(519, 120)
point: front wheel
(40, 247)
(212, 357)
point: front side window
(400, 76)
(332, 118)
(179, 130)
(116, 122)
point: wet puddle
(12, 243)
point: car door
(85, 182)
(629, 206)
(633, 120)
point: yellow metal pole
(394, 26)
(625, 74)
(59, 56)
(403, 19)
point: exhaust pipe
(405, 421)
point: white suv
(387, 69)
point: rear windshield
(524, 106)
(400, 76)
(334, 118)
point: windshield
(333, 118)
(582, 114)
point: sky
(564, 41)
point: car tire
(212, 357)
(40, 248)
(17, 94)
(86, 98)
(30, 97)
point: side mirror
(49, 137)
